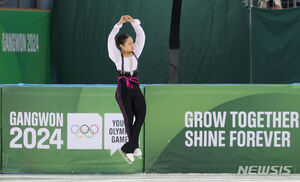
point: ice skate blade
(125, 157)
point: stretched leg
(125, 103)
(139, 110)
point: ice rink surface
(148, 177)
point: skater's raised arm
(113, 52)
(140, 36)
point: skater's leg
(139, 110)
(125, 103)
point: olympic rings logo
(84, 130)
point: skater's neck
(127, 54)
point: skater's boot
(127, 153)
(127, 156)
(138, 153)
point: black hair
(122, 38)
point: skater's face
(128, 45)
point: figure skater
(128, 95)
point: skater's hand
(123, 19)
(130, 19)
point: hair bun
(121, 38)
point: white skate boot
(138, 153)
(128, 157)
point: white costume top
(130, 63)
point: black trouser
(132, 103)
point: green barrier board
(223, 129)
(1, 129)
(64, 130)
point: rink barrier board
(172, 136)
(222, 129)
(59, 129)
